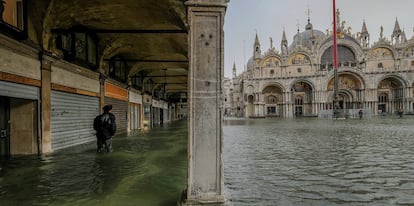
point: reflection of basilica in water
(298, 79)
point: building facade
(298, 80)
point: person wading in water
(105, 127)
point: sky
(269, 17)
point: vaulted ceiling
(151, 35)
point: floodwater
(283, 162)
(306, 161)
(145, 169)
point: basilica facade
(298, 80)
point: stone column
(46, 90)
(102, 81)
(205, 141)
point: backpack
(105, 121)
(102, 121)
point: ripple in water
(319, 162)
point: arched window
(345, 54)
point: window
(380, 65)
(412, 63)
(299, 70)
(148, 86)
(79, 48)
(272, 72)
(298, 100)
(137, 82)
(382, 98)
(13, 18)
(118, 69)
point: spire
(234, 70)
(284, 43)
(256, 41)
(403, 36)
(396, 34)
(284, 36)
(308, 26)
(257, 52)
(364, 38)
(364, 29)
(397, 29)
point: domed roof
(305, 36)
(250, 62)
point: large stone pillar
(46, 90)
(205, 141)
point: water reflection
(145, 169)
(319, 162)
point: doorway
(4, 127)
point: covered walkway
(155, 61)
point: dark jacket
(104, 125)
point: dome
(305, 37)
(250, 62)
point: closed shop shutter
(134, 115)
(120, 110)
(9, 89)
(72, 119)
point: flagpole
(335, 57)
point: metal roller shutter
(72, 119)
(9, 89)
(120, 110)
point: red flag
(335, 47)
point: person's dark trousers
(104, 145)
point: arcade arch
(273, 96)
(302, 94)
(350, 87)
(391, 94)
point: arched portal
(391, 95)
(273, 96)
(302, 92)
(350, 92)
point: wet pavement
(146, 168)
